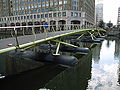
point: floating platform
(45, 57)
(65, 48)
(86, 40)
(74, 49)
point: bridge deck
(28, 39)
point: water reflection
(105, 73)
(99, 70)
(96, 53)
(117, 49)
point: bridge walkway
(24, 41)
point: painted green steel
(64, 43)
(35, 43)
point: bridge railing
(24, 37)
(7, 32)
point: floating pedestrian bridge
(24, 37)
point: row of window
(33, 11)
(47, 15)
(44, 3)
(35, 7)
(75, 3)
(75, 14)
(59, 14)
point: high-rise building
(5, 8)
(99, 12)
(118, 21)
(58, 11)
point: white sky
(110, 10)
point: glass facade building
(68, 11)
(118, 22)
(5, 8)
(99, 12)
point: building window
(43, 10)
(10, 18)
(51, 3)
(59, 14)
(54, 14)
(47, 4)
(64, 13)
(38, 16)
(27, 17)
(65, 2)
(31, 17)
(46, 15)
(76, 14)
(15, 18)
(43, 4)
(42, 15)
(55, 2)
(65, 8)
(24, 17)
(34, 16)
(60, 8)
(50, 14)
(60, 2)
(80, 14)
(46, 9)
(38, 10)
(51, 9)
(55, 8)
(74, 8)
(18, 18)
(39, 5)
(71, 13)
(21, 17)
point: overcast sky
(110, 10)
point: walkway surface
(9, 42)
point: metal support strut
(92, 36)
(57, 50)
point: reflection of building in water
(96, 53)
(75, 78)
(117, 49)
(117, 56)
(119, 73)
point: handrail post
(17, 43)
(33, 32)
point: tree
(101, 24)
(110, 24)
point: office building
(99, 12)
(118, 21)
(5, 8)
(29, 12)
